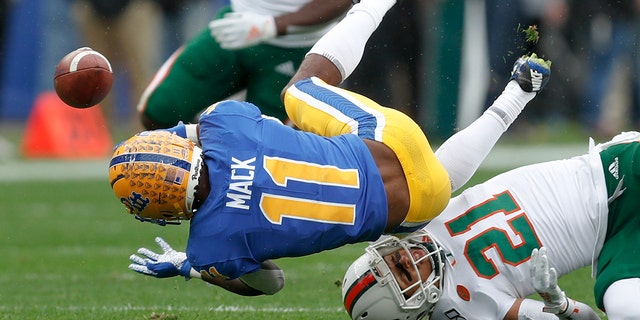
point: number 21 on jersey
(493, 237)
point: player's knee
(620, 299)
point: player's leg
(334, 56)
(621, 299)
(463, 152)
(194, 77)
(140, 49)
(327, 110)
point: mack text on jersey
(241, 180)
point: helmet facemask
(423, 289)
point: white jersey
(298, 37)
(490, 230)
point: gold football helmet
(155, 174)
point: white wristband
(532, 310)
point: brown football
(83, 78)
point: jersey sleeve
(231, 269)
(230, 107)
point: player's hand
(545, 281)
(170, 263)
(237, 30)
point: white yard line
(58, 170)
(221, 308)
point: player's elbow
(266, 281)
(275, 286)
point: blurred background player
(128, 32)
(255, 46)
(6, 149)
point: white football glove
(170, 263)
(237, 30)
(545, 281)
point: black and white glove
(170, 263)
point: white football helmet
(371, 291)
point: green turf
(64, 255)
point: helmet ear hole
(433, 295)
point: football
(83, 78)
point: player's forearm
(269, 279)
(313, 13)
(577, 310)
(236, 286)
(528, 309)
(533, 309)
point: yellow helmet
(155, 174)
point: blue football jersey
(279, 192)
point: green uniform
(620, 254)
(202, 73)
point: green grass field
(64, 255)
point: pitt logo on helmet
(155, 174)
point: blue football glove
(170, 263)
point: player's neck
(203, 188)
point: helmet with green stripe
(155, 175)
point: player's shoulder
(625, 139)
(231, 107)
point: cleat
(531, 73)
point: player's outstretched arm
(169, 263)
(313, 13)
(238, 30)
(269, 279)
